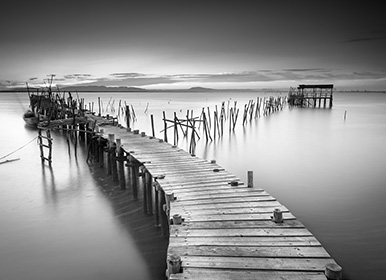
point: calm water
(60, 223)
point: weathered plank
(256, 252)
(245, 274)
(278, 264)
(251, 241)
(182, 231)
(241, 224)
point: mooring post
(177, 219)
(333, 271)
(277, 216)
(250, 179)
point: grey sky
(168, 42)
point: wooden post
(133, 175)
(156, 186)
(121, 169)
(101, 148)
(277, 216)
(177, 219)
(165, 128)
(114, 169)
(109, 151)
(164, 218)
(173, 264)
(99, 106)
(144, 187)
(331, 100)
(333, 271)
(128, 116)
(149, 192)
(250, 179)
(152, 125)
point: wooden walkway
(227, 231)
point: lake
(63, 223)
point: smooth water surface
(329, 171)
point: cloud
(265, 75)
(76, 76)
(127, 75)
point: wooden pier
(218, 227)
(311, 96)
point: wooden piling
(152, 125)
(163, 214)
(250, 179)
(121, 159)
(149, 192)
(333, 271)
(156, 186)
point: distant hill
(200, 89)
(101, 89)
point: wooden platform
(227, 230)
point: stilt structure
(311, 96)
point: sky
(182, 44)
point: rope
(18, 149)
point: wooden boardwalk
(226, 231)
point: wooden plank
(235, 217)
(227, 211)
(181, 231)
(229, 200)
(191, 197)
(257, 252)
(276, 264)
(241, 224)
(245, 274)
(232, 204)
(249, 241)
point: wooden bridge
(218, 227)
